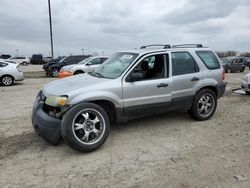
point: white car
(20, 60)
(87, 65)
(245, 83)
(9, 73)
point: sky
(108, 26)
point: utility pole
(82, 51)
(16, 52)
(51, 35)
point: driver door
(151, 94)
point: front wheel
(85, 127)
(204, 105)
(247, 92)
(78, 72)
(55, 72)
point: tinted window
(209, 59)
(183, 63)
(3, 64)
(104, 59)
(95, 61)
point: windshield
(63, 59)
(85, 60)
(114, 66)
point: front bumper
(245, 85)
(45, 126)
(221, 87)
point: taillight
(223, 74)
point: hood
(69, 84)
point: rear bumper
(45, 126)
(221, 87)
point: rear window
(209, 59)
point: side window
(3, 64)
(152, 67)
(183, 63)
(95, 61)
(103, 59)
(209, 59)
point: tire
(242, 69)
(200, 105)
(85, 118)
(55, 72)
(24, 63)
(228, 70)
(7, 80)
(247, 92)
(78, 72)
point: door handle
(162, 85)
(194, 79)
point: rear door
(185, 75)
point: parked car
(9, 73)
(233, 64)
(245, 83)
(85, 66)
(37, 59)
(248, 62)
(54, 69)
(5, 56)
(21, 60)
(130, 84)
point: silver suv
(130, 84)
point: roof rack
(152, 45)
(188, 46)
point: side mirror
(137, 76)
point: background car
(248, 62)
(86, 65)
(54, 69)
(37, 59)
(245, 83)
(21, 60)
(9, 73)
(5, 56)
(233, 64)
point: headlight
(56, 101)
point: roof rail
(188, 46)
(152, 45)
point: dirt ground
(169, 150)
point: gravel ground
(169, 150)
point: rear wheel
(24, 63)
(204, 105)
(7, 80)
(78, 72)
(85, 127)
(247, 92)
(242, 69)
(228, 70)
